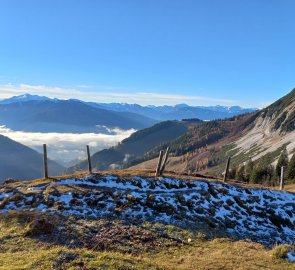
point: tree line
(263, 172)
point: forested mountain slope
(137, 144)
(20, 162)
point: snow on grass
(38, 187)
(135, 183)
(5, 195)
(260, 214)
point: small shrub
(39, 227)
(280, 251)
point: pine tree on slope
(283, 161)
(291, 169)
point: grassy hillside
(197, 204)
(21, 162)
(20, 250)
(141, 223)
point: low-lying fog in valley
(67, 148)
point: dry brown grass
(223, 254)
(20, 252)
(290, 187)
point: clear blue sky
(149, 51)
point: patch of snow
(291, 257)
(38, 187)
(5, 195)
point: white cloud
(66, 147)
(9, 90)
(148, 98)
(109, 94)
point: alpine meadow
(147, 135)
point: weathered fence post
(282, 178)
(89, 159)
(45, 161)
(159, 163)
(165, 161)
(226, 170)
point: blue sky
(150, 52)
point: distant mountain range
(42, 114)
(21, 162)
(34, 113)
(177, 112)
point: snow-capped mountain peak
(24, 98)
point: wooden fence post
(226, 170)
(89, 159)
(159, 163)
(45, 161)
(165, 161)
(282, 178)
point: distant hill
(20, 162)
(46, 115)
(137, 144)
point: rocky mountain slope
(263, 215)
(21, 162)
(274, 128)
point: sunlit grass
(20, 252)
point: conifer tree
(232, 173)
(249, 169)
(291, 169)
(283, 161)
(263, 172)
(240, 174)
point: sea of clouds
(67, 148)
